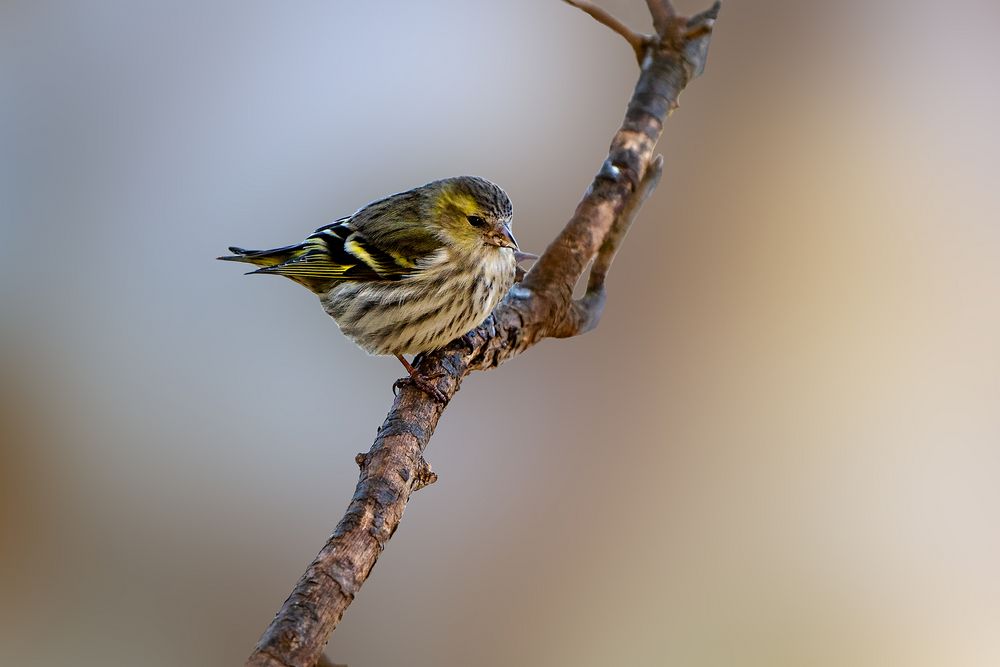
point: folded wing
(338, 252)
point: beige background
(779, 448)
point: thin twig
(635, 40)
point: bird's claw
(422, 383)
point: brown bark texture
(538, 307)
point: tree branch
(540, 306)
(635, 40)
(586, 312)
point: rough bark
(540, 306)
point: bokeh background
(781, 446)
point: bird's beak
(505, 239)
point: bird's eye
(476, 221)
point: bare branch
(612, 242)
(392, 470)
(540, 306)
(637, 41)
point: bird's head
(472, 212)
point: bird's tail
(264, 258)
(307, 263)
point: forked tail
(307, 263)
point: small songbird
(411, 272)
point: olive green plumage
(408, 273)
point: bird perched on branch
(411, 272)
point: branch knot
(425, 476)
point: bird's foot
(422, 383)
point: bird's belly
(413, 316)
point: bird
(408, 273)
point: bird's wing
(355, 256)
(340, 251)
(386, 240)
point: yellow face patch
(466, 204)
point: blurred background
(779, 448)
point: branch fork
(540, 306)
(670, 30)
